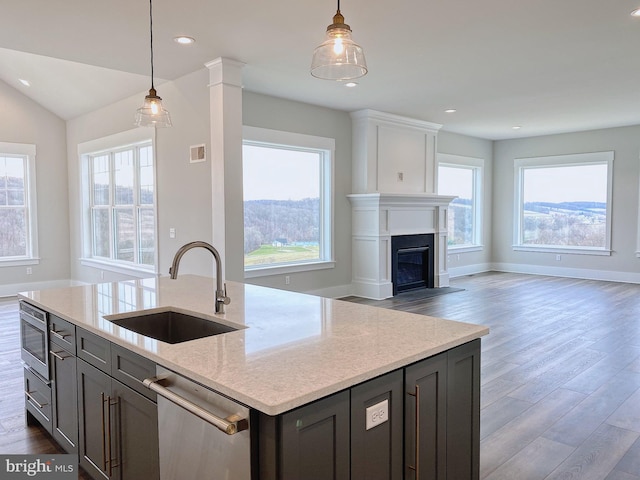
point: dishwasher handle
(230, 425)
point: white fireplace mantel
(376, 217)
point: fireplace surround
(376, 219)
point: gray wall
(24, 121)
(455, 144)
(278, 114)
(622, 264)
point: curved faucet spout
(221, 298)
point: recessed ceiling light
(451, 110)
(26, 83)
(351, 84)
(184, 40)
(635, 13)
(516, 127)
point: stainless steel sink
(172, 327)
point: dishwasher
(202, 434)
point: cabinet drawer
(38, 398)
(94, 350)
(62, 333)
(131, 369)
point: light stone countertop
(295, 348)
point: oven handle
(230, 425)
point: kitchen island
(289, 350)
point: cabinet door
(377, 445)
(463, 407)
(94, 410)
(315, 440)
(64, 388)
(137, 435)
(426, 419)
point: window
(563, 203)
(287, 185)
(119, 203)
(18, 234)
(462, 177)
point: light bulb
(338, 48)
(154, 108)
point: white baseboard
(11, 290)
(582, 273)
(333, 292)
(469, 270)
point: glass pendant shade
(338, 57)
(152, 113)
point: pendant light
(338, 57)
(152, 113)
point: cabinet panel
(62, 333)
(463, 415)
(94, 350)
(37, 398)
(315, 440)
(426, 419)
(131, 369)
(64, 388)
(136, 434)
(376, 453)
(93, 392)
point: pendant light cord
(151, 35)
(338, 5)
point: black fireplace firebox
(412, 262)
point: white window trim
(33, 256)
(575, 159)
(288, 139)
(477, 164)
(111, 142)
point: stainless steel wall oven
(34, 339)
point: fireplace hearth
(412, 262)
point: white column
(225, 106)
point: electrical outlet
(377, 414)
(29, 271)
(558, 258)
(400, 176)
(287, 280)
(172, 232)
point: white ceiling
(550, 66)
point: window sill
(19, 262)
(118, 268)
(464, 248)
(291, 268)
(564, 250)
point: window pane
(147, 239)
(100, 217)
(458, 181)
(123, 170)
(101, 180)
(13, 232)
(124, 230)
(282, 205)
(565, 205)
(146, 176)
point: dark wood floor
(560, 375)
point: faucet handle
(222, 295)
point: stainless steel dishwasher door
(192, 448)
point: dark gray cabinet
(118, 423)
(62, 348)
(310, 442)
(376, 449)
(442, 416)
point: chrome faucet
(221, 298)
